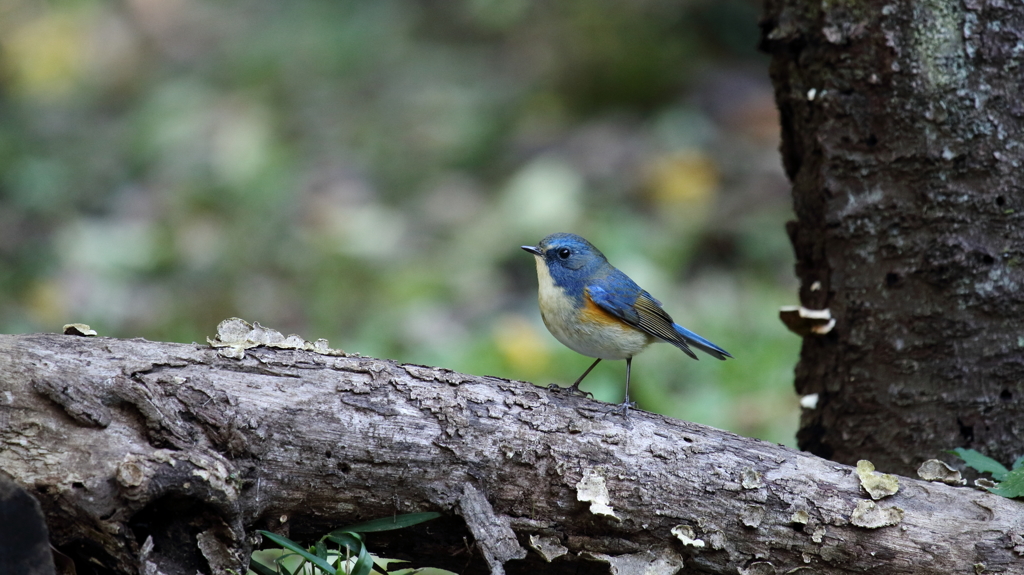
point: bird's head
(568, 256)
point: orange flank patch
(593, 313)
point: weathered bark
(902, 125)
(163, 458)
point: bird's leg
(576, 385)
(574, 389)
(626, 403)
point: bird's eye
(564, 253)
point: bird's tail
(700, 343)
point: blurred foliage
(365, 171)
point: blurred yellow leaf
(683, 178)
(522, 345)
(45, 304)
(45, 56)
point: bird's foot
(624, 407)
(571, 390)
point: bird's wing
(627, 301)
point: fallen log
(153, 457)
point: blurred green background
(366, 172)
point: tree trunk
(163, 458)
(902, 125)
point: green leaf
(363, 564)
(259, 568)
(296, 548)
(982, 463)
(321, 550)
(1012, 486)
(296, 560)
(389, 523)
(1018, 463)
(351, 541)
(383, 563)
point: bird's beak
(533, 250)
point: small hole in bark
(174, 522)
(1000, 201)
(80, 485)
(344, 467)
(1006, 395)
(872, 140)
(328, 454)
(892, 279)
(966, 431)
(982, 258)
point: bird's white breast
(562, 318)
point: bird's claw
(623, 407)
(571, 390)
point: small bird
(596, 310)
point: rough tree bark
(902, 123)
(163, 458)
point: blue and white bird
(596, 310)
